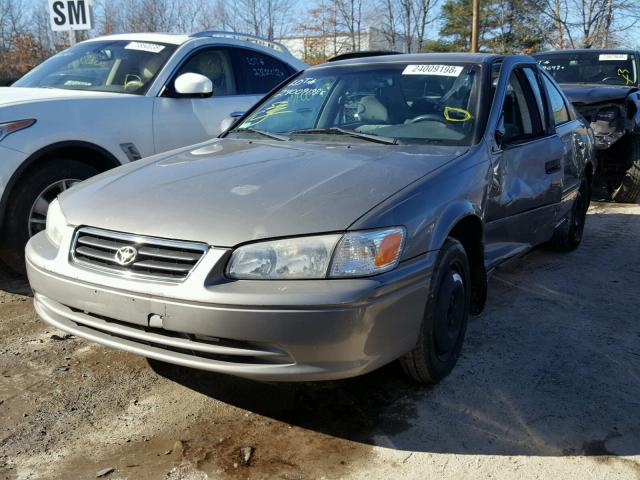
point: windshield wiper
(264, 133)
(351, 133)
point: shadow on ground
(12, 282)
(552, 367)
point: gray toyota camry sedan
(348, 220)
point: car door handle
(236, 114)
(552, 166)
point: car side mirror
(500, 132)
(229, 121)
(193, 85)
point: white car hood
(16, 95)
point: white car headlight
(304, 257)
(56, 222)
(354, 254)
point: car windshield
(591, 67)
(385, 103)
(105, 66)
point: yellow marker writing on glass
(624, 73)
(457, 114)
(274, 109)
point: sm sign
(70, 15)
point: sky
(632, 36)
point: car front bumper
(304, 330)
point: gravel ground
(548, 387)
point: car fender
(105, 121)
(431, 207)
(632, 105)
(449, 218)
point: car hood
(588, 94)
(15, 95)
(231, 191)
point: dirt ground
(548, 387)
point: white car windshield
(389, 103)
(105, 66)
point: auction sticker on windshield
(145, 47)
(612, 56)
(441, 70)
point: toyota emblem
(126, 255)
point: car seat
(371, 110)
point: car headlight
(56, 222)
(354, 254)
(367, 253)
(7, 128)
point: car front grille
(136, 255)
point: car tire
(627, 189)
(568, 235)
(22, 217)
(445, 318)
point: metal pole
(72, 38)
(475, 26)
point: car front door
(240, 78)
(180, 121)
(527, 162)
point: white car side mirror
(193, 85)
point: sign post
(70, 16)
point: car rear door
(527, 167)
(570, 130)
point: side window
(522, 119)
(558, 107)
(214, 64)
(259, 72)
(534, 83)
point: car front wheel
(27, 207)
(627, 188)
(445, 319)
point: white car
(116, 99)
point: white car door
(184, 121)
(240, 78)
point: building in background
(316, 48)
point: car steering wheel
(619, 80)
(429, 116)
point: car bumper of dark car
(266, 330)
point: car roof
(585, 50)
(480, 58)
(170, 38)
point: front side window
(558, 107)
(105, 66)
(409, 103)
(215, 64)
(591, 67)
(522, 120)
